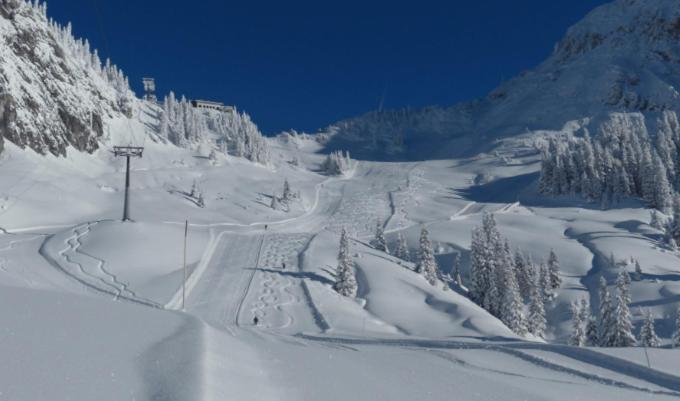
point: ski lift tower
(150, 90)
(127, 152)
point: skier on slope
(255, 320)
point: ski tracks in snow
(85, 268)
(278, 288)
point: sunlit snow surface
(92, 307)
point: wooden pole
(184, 263)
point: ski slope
(400, 339)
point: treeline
(508, 284)
(620, 161)
(184, 126)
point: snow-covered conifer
(287, 194)
(427, 264)
(655, 220)
(512, 309)
(578, 336)
(638, 270)
(675, 341)
(592, 337)
(623, 327)
(379, 242)
(606, 315)
(345, 277)
(554, 270)
(536, 323)
(648, 337)
(457, 276)
(544, 284)
(402, 251)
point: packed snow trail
(220, 290)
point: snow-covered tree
(638, 270)
(287, 194)
(484, 259)
(578, 336)
(545, 284)
(655, 220)
(554, 270)
(512, 308)
(606, 315)
(197, 194)
(186, 126)
(379, 242)
(337, 163)
(648, 337)
(402, 251)
(623, 327)
(427, 264)
(536, 321)
(676, 333)
(345, 277)
(525, 274)
(619, 162)
(457, 276)
(592, 337)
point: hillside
(623, 56)
(458, 275)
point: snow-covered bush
(337, 163)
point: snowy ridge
(622, 57)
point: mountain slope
(623, 56)
(54, 93)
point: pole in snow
(127, 152)
(184, 265)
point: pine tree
(623, 328)
(592, 337)
(655, 220)
(554, 270)
(676, 333)
(512, 309)
(578, 336)
(345, 278)
(638, 270)
(485, 250)
(606, 314)
(427, 264)
(402, 251)
(536, 321)
(524, 278)
(287, 194)
(379, 242)
(648, 337)
(545, 284)
(457, 276)
(662, 195)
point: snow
(95, 308)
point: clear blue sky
(304, 66)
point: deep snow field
(93, 308)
